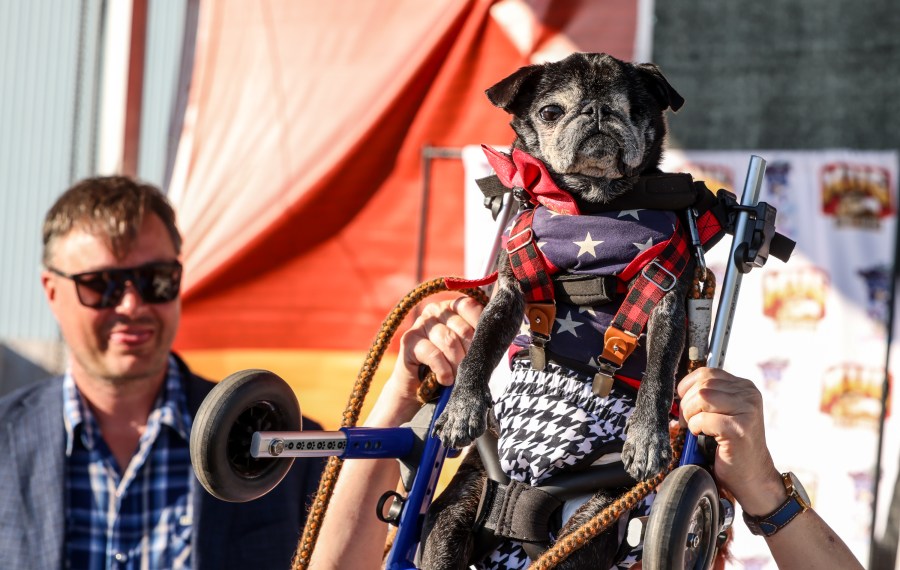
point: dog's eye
(550, 113)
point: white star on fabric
(632, 213)
(642, 247)
(589, 245)
(568, 325)
(541, 245)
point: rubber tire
(242, 403)
(687, 502)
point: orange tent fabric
(298, 181)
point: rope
(568, 544)
(354, 405)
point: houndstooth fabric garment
(550, 421)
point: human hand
(730, 409)
(439, 338)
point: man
(95, 465)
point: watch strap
(772, 523)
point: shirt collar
(170, 408)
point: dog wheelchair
(247, 434)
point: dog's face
(591, 118)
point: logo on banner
(863, 483)
(772, 371)
(878, 283)
(795, 298)
(714, 175)
(777, 174)
(851, 393)
(857, 195)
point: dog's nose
(594, 108)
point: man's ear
(659, 86)
(48, 283)
(504, 93)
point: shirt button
(121, 557)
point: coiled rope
(357, 397)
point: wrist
(393, 407)
(795, 504)
(763, 497)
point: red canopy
(298, 182)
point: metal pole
(691, 454)
(732, 283)
(883, 554)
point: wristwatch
(796, 503)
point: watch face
(798, 489)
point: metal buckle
(664, 270)
(521, 233)
(695, 239)
(603, 378)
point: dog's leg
(647, 450)
(465, 416)
(601, 550)
(447, 539)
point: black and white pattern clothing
(550, 421)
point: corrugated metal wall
(49, 85)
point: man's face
(130, 341)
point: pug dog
(594, 124)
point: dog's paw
(463, 420)
(646, 452)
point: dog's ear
(659, 86)
(504, 93)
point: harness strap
(527, 262)
(531, 271)
(655, 279)
(516, 511)
(586, 290)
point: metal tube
(691, 454)
(349, 443)
(732, 283)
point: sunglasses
(155, 283)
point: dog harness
(647, 245)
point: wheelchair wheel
(243, 403)
(684, 522)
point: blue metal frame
(397, 443)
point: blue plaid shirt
(139, 518)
